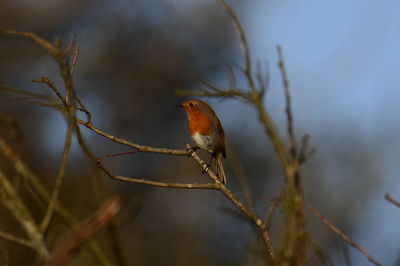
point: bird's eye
(191, 104)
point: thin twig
(342, 235)
(231, 76)
(12, 201)
(46, 80)
(74, 60)
(35, 181)
(392, 200)
(67, 51)
(247, 70)
(289, 113)
(59, 179)
(262, 82)
(274, 206)
(344, 248)
(304, 153)
(17, 240)
(71, 242)
(241, 177)
(141, 148)
(51, 49)
(122, 153)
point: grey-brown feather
(219, 146)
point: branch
(21, 168)
(75, 239)
(52, 50)
(17, 240)
(343, 235)
(243, 43)
(392, 200)
(162, 184)
(12, 201)
(289, 113)
(141, 148)
(59, 178)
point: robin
(206, 130)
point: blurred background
(343, 61)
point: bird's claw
(191, 148)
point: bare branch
(47, 81)
(262, 82)
(141, 148)
(63, 251)
(74, 60)
(11, 200)
(289, 113)
(392, 200)
(231, 76)
(34, 180)
(51, 49)
(17, 240)
(243, 42)
(343, 235)
(71, 45)
(162, 184)
(59, 178)
(304, 153)
(217, 94)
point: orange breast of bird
(198, 123)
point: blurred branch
(294, 200)
(75, 239)
(241, 176)
(17, 240)
(344, 248)
(247, 70)
(289, 113)
(323, 258)
(34, 180)
(392, 200)
(59, 178)
(74, 60)
(51, 50)
(12, 201)
(342, 235)
(304, 153)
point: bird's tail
(220, 169)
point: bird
(206, 130)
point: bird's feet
(191, 148)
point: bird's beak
(179, 105)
